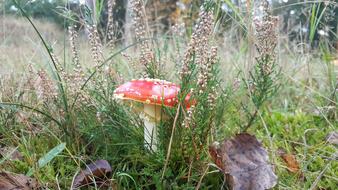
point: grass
(94, 126)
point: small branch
(201, 179)
(313, 186)
(171, 140)
(269, 136)
(190, 169)
(252, 119)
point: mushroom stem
(153, 113)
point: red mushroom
(153, 94)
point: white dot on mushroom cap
(169, 100)
(156, 81)
(154, 97)
(147, 101)
(119, 95)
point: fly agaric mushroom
(153, 94)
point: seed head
(141, 32)
(265, 35)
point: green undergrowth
(304, 136)
(134, 167)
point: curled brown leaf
(97, 173)
(244, 163)
(11, 153)
(291, 162)
(11, 181)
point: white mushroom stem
(152, 114)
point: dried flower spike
(198, 43)
(265, 34)
(95, 44)
(142, 32)
(73, 35)
(110, 23)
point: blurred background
(295, 16)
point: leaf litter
(11, 181)
(292, 164)
(244, 162)
(97, 173)
(332, 138)
(10, 153)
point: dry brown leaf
(11, 153)
(97, 173)
(244, 163)
(332, 138)
(291, 162)
(11, 181)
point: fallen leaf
(291, 162)
(332, 138)
(97, 173)
(11, 153)
(11, 181)
(244, 163)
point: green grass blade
(238, 15)
(315, 20)
(55, 70)
(5, 104)
(122, 174)
(48, 157)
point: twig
(57, 181)
(190, 168)
(171, 140)
(201, 179)
(313, 186)
(73, 179)
(252, 119)
(269, 136)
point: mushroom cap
(150, 91)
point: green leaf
(48, 157)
